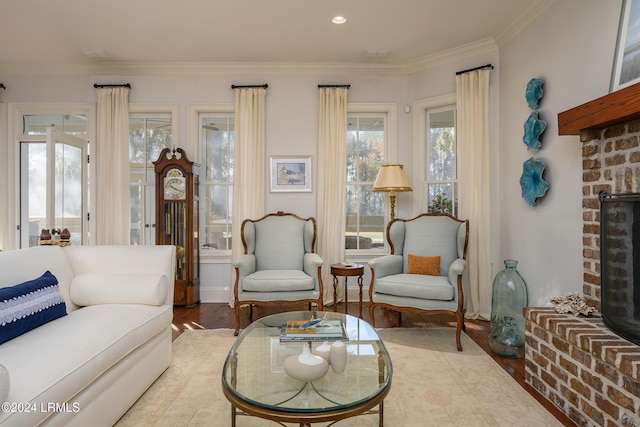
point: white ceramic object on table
(338, 357)
(306, 366)
(324, 351)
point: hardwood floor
(220, 315)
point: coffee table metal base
(304, 420)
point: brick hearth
(583, 368)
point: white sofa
(90, 365)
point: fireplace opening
(620, 263)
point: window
(149, 134)
(216, 180)
(440, 184)
(365, 221)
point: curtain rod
(264, 86)
(2, 86)
(474, 69)
(328, 86)
(122, 85)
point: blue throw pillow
(28, 305)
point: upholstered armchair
(279, 265)
(426, 271)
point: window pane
(68, 190)
(136, 140)
(158, 137)
(365, 148)
(147, 138)
(442, 162)
(442, 198)
(33, 157)
(218, 149)
(137, 225)
(37, 124)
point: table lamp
(392, 178)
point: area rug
(433, 385)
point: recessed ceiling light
(339, 20)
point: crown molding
(204, 68)
(520, 20)
(196, 68)
(451, 55)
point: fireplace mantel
(587, 120)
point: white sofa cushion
(79, 348)
(119, 288)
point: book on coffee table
(327, 330)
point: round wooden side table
(346, 270)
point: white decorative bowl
(306, 367)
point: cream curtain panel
(472, 93)
(332, 172)
(249, 164)
(112, 167)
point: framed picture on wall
(626, 65)
(290, 173)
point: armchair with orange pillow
(426, 270)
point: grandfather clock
(177, 222)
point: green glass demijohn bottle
(509, 297)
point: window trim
(420, 108)
(390, 110)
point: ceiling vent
(95, 53)
(372, 53)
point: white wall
(571, 46)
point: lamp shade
(392, 178)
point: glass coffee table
(254, 380)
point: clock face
(174, 186)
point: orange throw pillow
(428, 265)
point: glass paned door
(53, 187)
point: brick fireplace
(578, 363)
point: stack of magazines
(326, 330)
